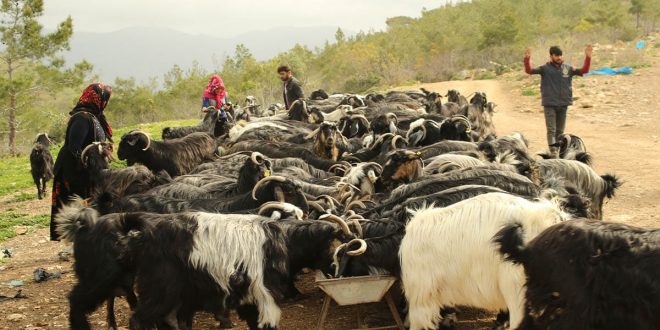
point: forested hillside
(477, 39)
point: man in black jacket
(556, 90)
(292, 89)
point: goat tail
(584, 157)
(74, 217)
(612, 183)
(509, 240)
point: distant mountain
(150, 52)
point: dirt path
(619, 126)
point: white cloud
(229, 18)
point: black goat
(176, 157)
(588, 274)
(319, 94)
(207, 125)
(456, 97)
(255, 168)
(353, 125)
(505, 180)
(103, 266)
(96, 159)
(272, 188)
(41, 163)
(284, 150)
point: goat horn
(312, 134)
(361, 250)
(87, 149)
(145, 135)
(329, 199)
(335, 258)
(465, 120)
(361, 117)
(381, 138)
(358, 227)
(354, 203)
(393, 116)
(261, 182)
(355, 217)
(396, 138)
(255, 155)
(339, 221)
(376, 165)
(316, 206)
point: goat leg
(110, 311)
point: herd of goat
(225, 215)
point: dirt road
(616, 116)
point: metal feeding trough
(357, 290)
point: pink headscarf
(214, 83)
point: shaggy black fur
(588, 274)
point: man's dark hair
(283, 68)
(555, 50)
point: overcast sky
(229, 18)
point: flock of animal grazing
(224, 215)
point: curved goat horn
(358, 227)
(465, 120)
(255, 158)
(361, 250)
(87, 149)
(339, 221)
(261, 182)
(145, 135)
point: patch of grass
(530, 92)
(10, 219)
(640, 65)
(15, 173)
(25, 196)
(485, 75)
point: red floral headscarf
(96, 96)
(94, 99)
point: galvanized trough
(357, 290)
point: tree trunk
(11, 119)
(11, 122)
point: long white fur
(238, 130)
(336, 115)
(223, 247)
(446, 160)
(448, 258)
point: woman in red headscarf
(87, 124)
(214, 94)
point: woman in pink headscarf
(214, 94)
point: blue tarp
(606, 71)
(640, 44)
